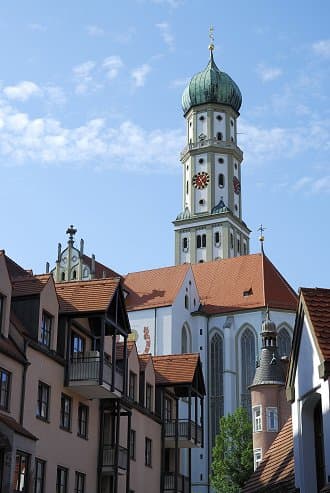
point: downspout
(25, 367)
(155, 336)
(208, 404)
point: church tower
(210, 225)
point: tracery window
(185, 340)
(248, 368)
(216, 384)
(284, 342)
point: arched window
(74, 275)
(63, 276)
(219, 136)
(185, 339)
(185, 244)
(221, 180)
(216, 384)
(186, 302)
(248, 368)
(284, 342)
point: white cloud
(139, 74)
(268, 73)
(83, 76)
(22, 91)
(166, 34)
(171, 3)
(95, 31)
(47, 141)
(301, 183)
(55, 94)
(312, 185)
(112, 65)
(37, 27)
(322, 48)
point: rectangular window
(83, 412)
(65, 419)
(77, 344)
(4, 389)
(21, 479)
(257, 419)
(132, 450)
(203, 241)
(272, 419)
(147, 452)
(132, 386)
(46, 329)
(39, 476)
(257, 457)
(43, 401)
(61, 480)
(168, 409)
(149, 397)
(79, 482)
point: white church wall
(152, 329)
(221, 167)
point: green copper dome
(211, 86)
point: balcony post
(162, 469)
(68, 353)
(196, 420)
(202, 420)
(128, 465)
(102, 351)
(116, 445)
(125, 367)
(189, 414)
(176, 467)
(113, 367)
(189, 465)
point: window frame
(5, 389)
(82, 341)
(18, 472)
(257, 418)
(64, 414)
(148, 452)
(132, 394)
(83, 423)
(256, 462)
(62, 488)
(77, 486)
(41, 478)
(43, 387)
(132, 450)
(45, 336)
(149, 397)
(269, 410)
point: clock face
(201, 180)
(237, 185)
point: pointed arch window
(284, 342)
(63, 276)
(185, 339)
(216, 384)
(248, 368)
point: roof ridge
(179, 266)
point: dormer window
(46, 330)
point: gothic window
(74, 275)
(221, 180)
(63, 276)
(219, 136)
(248, 358)
(185, 244)
(186, 302)
(244, 248)
(201, 241)
(216, 384)
(284, 342)
(217, 238)
(238, 245)
(185, 340)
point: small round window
(220, 160)
(201, 160)
(202, 118)
(201, 202)
(219, 118)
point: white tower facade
(210, 225)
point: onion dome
(211, 86)
(267, 325)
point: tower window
(187, 187)
(272, 419)
(257, 420)
(201, 202)
(231, 240)
(221, 180)
(220, 160)
(232, 123)
(74, 275)
(217, 238)
(190, 124)
(185, 244)
(219, 118)
(201, 241)
(219, 136)
(236, 208)
(63, 276)
(202, 118)
(244, 248)
(235, 165)
(232, 138)
(201, 160)
(238, 245)
(186, 302)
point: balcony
(221, 144)
(170, 486)
(189, 434)
(91, 378)
(109, 460)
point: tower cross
(211, 36)
(261, 237)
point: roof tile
(317, 301)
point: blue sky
(91, 125)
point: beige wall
(5, 290)
(56, 446)
(49, 303)
(16, 370)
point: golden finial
(211, 36)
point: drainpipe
(25, 367)
(208, 404)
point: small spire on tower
(261, 237)
(211, 36)
(71, 231)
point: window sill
(68, 430)
(45, 420)
(84, 437)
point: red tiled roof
(277, 466)
(317, 302)
(15, 426)
(240, 283)
(143, 360)
(175, 369)
(156, 287)
(26, 286)
(86, 296)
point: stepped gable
(153, 288)
(317, 303)
(86, 296)
(276, 471)
(241, 283)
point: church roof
(153, 288)
(240, 283)
(276, 471)
(86, 296)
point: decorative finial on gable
(71, 231)
(211, 36)
(261, 237)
